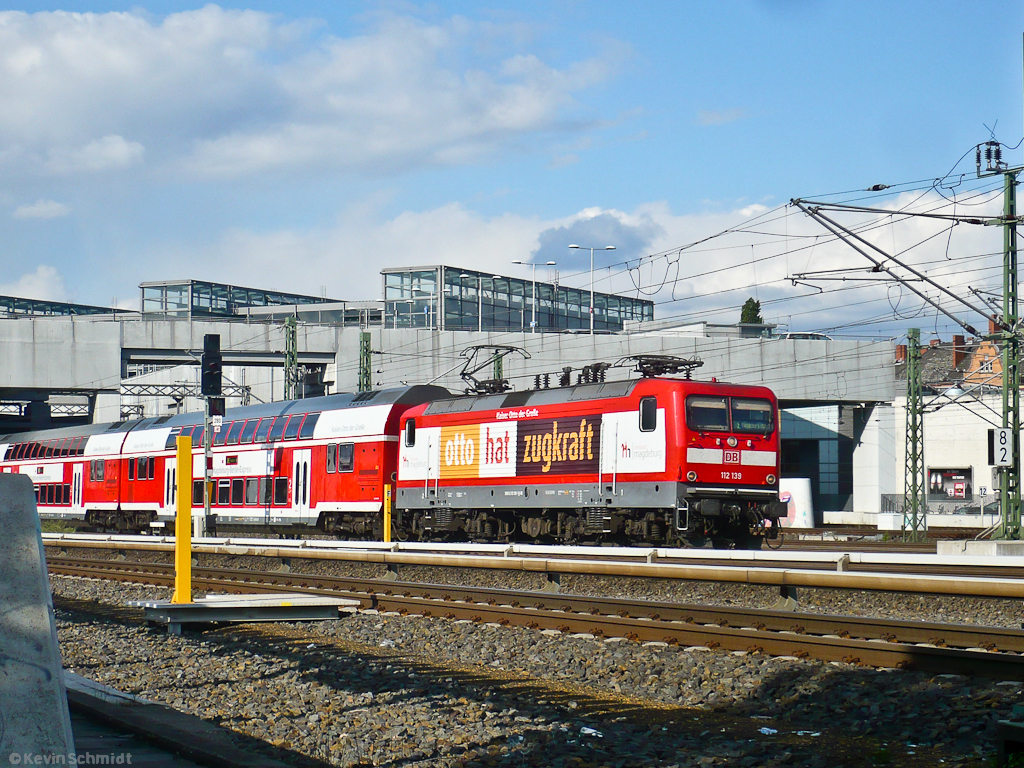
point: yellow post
(387, 513)
(183, 525)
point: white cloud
(41, 209)
(106, 154)
(226, 92)
(46, 284)
(693, 274)
(720, 117)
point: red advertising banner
(559, 446)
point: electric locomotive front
(729, 464)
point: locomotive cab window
(750, 415)
(648, 414)
(410, 433)
(707, 414)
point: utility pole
(915, 521)
(1007, 335)
(291, 359)
(1009, 487)
(365, 368)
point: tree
(751, 312)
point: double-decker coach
(314, 463)
(653, 460)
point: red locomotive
(654, 460)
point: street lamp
(607, 248)
(480, 298)
(533, 322)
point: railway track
(928, 647)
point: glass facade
(194, 298)
(472, 301)
(11, 305)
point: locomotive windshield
(725, 414)
(707, 413)
(751, 415)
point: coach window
(224, 492)
(410, 433)
(278, 430)
(219, 437)
(67, 493)
(143, 467)
(346, 457)
(263, 430)
(648, 414)
(280, 490)
(33, 450)
(58, 448)
(252, 485)
(197, 436)
(100, 466)
(237, 491)
(707, 414)
(131, 468)
(294, 423)
(264, 491)
(50, 488)
(308, 426)
(236, 430)
(332, 458)
(250, 429)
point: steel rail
(902, 575)
(989, 652)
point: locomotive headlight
(691, 476)
(732, 441)
(770, 479)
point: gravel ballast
(386, 689)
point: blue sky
(305, 146)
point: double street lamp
(533, 322)
(584, 247)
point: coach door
(301, 461)
(76, 486)
(170, 484)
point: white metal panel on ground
(33, 701)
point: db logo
(732, 457)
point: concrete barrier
(34, 720)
